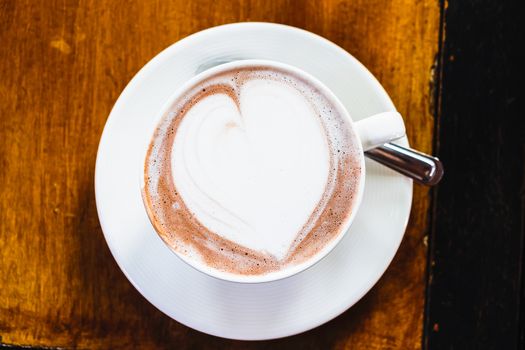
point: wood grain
(62, 66)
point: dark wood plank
(477, 242)
(62, 66)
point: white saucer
(225, 309)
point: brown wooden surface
(62, 66)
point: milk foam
(254, 172)
(251, 170)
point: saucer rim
(140, 76)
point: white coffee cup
(372, 132)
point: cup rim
(291, 270)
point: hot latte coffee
(251, 171)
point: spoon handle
(420, 167)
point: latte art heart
(252, 170)
(252, 173)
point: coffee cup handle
(379, 129)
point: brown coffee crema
(184, 233)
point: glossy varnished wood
(62, 66)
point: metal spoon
(420, 167)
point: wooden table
(62, 66)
